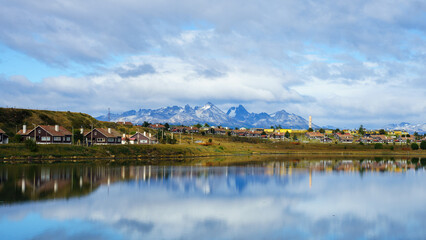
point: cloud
(346, 60)
(177, 208)
(135, 71)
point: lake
(271, 198)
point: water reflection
(291, 199)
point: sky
(345, 63)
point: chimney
(109, 130)
(144, 133)
(24, 129)
(81, 130)
(57, 128)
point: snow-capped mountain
(209, 113)
(411, 128)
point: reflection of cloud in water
(338, 206)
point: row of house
(46, 134)
(349, 138)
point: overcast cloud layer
(345, 63)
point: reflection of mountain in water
(35, 182)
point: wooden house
(46, 134)
(144, 138)
(103, 136)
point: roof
(157, 125)
(104, 131)
(1, 131)
(315, 134)
(49, 129)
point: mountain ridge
(212, 115)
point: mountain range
(211, 114)
(411, 128)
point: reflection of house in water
(36, 182)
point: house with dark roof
(4, 139)
(103, 136)
(46, 134)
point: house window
(118, 140)
(144, 141)
(111, 140)
(45, 139)
(100, 140)
(68, 139)
(96, 133)
(57, 139)
(39, 131)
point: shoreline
(159, 159)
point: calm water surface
(278, 199)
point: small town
(158, 133)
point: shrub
(392, 148)
(31, 145)
(414, 146)
(423, 145)
(378, 146)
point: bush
(423, 145)
(392, 148)
(31, 145)
(414, 146)
(378, 146)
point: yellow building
(270, 130)
(285, 130)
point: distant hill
(209, 113)
(12, 119)
(411, 128)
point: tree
(272, 127)
(336, 130)
(145, 124)
(322, 130)
(198, 125)
(78, 137)
(382, 131)
(206, 125)
(423, 145)
(287, 134)
(310, 130)
(167, 126)
(361, 130)
(17, 138)
(31, 145)
(414, 146)
(378, 146)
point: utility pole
(72, 136)
(35, 133)
(91, 137)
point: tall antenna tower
(109, 115)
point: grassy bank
(220, 146)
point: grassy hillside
(12, 119)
